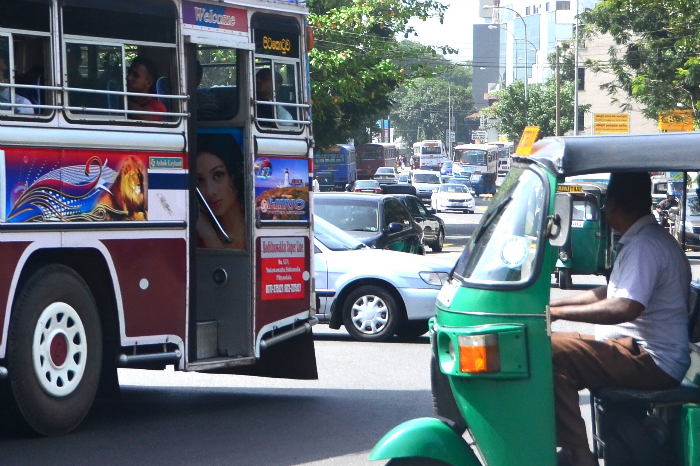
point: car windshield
(333, 237)
(447, 164)
(427, 178)
(504, 246)
(385, 171)
(452, 188)
(348, 214)
(366, 184)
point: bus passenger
(5, 95)
(220, 180)
(263, 91)
(142, 74)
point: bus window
(217, 89)
(276, 72)
(25, 32)
(120, 64)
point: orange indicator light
(479, 353)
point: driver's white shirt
(652, 269)
(5, 97)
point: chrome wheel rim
(59, 350)
(370, 315)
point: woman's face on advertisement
(215, 183)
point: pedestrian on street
(316, 185)
(641, 317)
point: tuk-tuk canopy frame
(577, 155)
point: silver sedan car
(374, 293)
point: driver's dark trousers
(579, 362)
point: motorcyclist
(667, 203)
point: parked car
(463, 181)
(375, 293)
(386, 175)
(433, 226)
(453, 197)
(403, 178)
(426, 182)
(365, 186)
(380, 222)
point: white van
(426, 183)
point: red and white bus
(372, 156)
(154, 195)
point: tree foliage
(357, 62)
(567, 63)
(656, 60)
(510, 108)
(422, 106)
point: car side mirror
(394, 227)
(431, 211)
(559, 224)
(348, 187)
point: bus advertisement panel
(336, 167)
(479, 163)
(372, 156)
(156, 221)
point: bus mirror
(559, 223)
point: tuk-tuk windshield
(504, 246)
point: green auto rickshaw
(491, 361)
(589, 250)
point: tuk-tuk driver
(641, 317)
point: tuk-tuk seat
(680, 394)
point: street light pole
(527, 64)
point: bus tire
(370, 313)
(54, 350)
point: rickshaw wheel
(564, 279)
(416, 462)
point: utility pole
(556, 104)
(576, 71)
(449, 118)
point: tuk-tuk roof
(576, 155)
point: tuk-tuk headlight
(563, 256)
(434, 278)
(479, 353)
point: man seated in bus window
(263, 91)
(5, 93)
(142, 74)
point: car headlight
(434, 278)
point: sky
(456, 29)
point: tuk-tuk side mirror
(394, 227)
(559, 224)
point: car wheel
(440, 242)
(412, 329)
(370, 313)
(54, 350)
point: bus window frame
(296, 127)
(119, 116)
(242, 57)
(9, 112)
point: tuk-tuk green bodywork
(425, 437)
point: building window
(566, 5)
(527, 10)
(581, 79)
(546, 6)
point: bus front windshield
(470, 156)
(503, 249)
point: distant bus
(372, 156)
(429, 155)
(336, 167)
(479, 162)
(505, 150)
